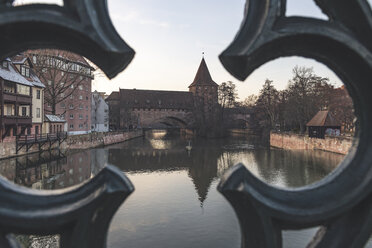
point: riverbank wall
(292, 141)
(83, 141)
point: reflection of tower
(203, 169)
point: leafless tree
(60, 73)
(227, 94)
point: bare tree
(250, 101)
(61, 73)
(267, 104)
(227, 95)
(307, 94)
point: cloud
(136, 17)
(131, 16)
(161, 24)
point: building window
(86, 98)
(37, 94)
(49, 82)
(86, 107)
(80, 116)
(37, 112)
(71, 126)
(49, 105)
(81, 126)
(9, 110)
(81, 77)
(80, 87)
(71, 106)
(5, 64)
(25, 71)
(80, 97)
(86, 117)
(34, 59)
(81, 106)
(71, 96)
(63, 105)
(71, 86)
(71, 116)
(24, 111)
(62, 95)
(23, 89)
(62, 73)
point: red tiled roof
(323, 119)
(113, 96)
(203, 77)
(156, 99)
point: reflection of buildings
(201, 163)
(48, 170)
(99, 158)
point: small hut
(54, 124)
(323, 123)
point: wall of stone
(84, 141)
(302, 142)
(92, 140)
(148, 118)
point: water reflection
(48, 170)
(175, 203)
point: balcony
(13, 97)
(12, 120)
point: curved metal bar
(80, 26)
(84, 211)
(343, 44)
(80, 215)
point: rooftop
(203, 77)
(322, 119)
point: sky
(169, 37)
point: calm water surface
(175, 203)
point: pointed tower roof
(203, 77)
(323, 118)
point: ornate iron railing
(341, 202)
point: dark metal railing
(46, 138)
(37, 138)
(342, 202)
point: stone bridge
(165, 118)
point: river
(175, 203)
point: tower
(204, 89)
(205, 92)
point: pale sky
(169, 37)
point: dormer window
(25, 71)
(5, 64)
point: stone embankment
(303, 142)
(84, 141)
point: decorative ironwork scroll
(82, 215)
(342, 202)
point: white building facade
(100, 113)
